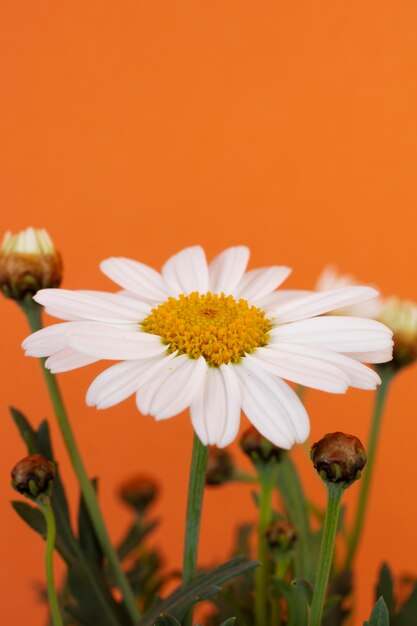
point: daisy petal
(272, 407)
(227, 269)
(93, 305)
(337, 333)
(187, 271)
(215, 410)
(135, 277)
(47, 341)
(304, 370)
(323, 302)
(270, 301)
(173, 388)
(114, 343)
(66, 360)
(115, 384)
(376, 356)
(258, 283)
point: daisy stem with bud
(33, 313)
(387, 373)
(194, 506)
(50, 545)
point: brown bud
(139, 492)
(258, 448)
(28, 262)
(338, 458)
(281, 535)
(33, 476)
(220, 467)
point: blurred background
(137, 128)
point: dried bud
(28, 262)
(338, 458)
(139, 492)
(401, 317)
(281, 536)
(33, 476)
(220, 467)
(257, 448)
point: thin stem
(334, 497)
(33, 314)
(194, 507)
(50, 544)
(366, 482)
(267, 478)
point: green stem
(267, 478)
(194, 506)
(334, 497)
(50, 544)
(33, 314)
(386, 377)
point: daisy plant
(218, 340)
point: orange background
(136, 128)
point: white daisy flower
(331, 279)
(213, 338)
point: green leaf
(166, 620)
(134, 537)
(385, 588)
(407, 614)
(32, 516)
(89, 543)
(203, 587)
(296, 507)
(297, 603)
(379, 615)
(304, 587)
(229, 622)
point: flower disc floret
(215, 326)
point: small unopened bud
(139, 492)
(281, 536)
(33, 476)
(220, 467)
(338, 458)
(259, 449)
(28, 262)
(401, 317)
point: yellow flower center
(217, 327)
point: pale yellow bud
(401, 317)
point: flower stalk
(33, 313)
(194, 506)
(387, 373)
(334, 497)
(48, 513)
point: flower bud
(259, 449)
(139, 492)
(28, 262)
(220, 467)
(401, 317)
(338, 458)
(33, 476)
(281, 535)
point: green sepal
(296, 601)
(203, 587)
(379, 615)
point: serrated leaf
(385, 587)
(304, 587)
(166, 620)
(297, 603)
(134, 537)
(203, 587)
(379, 615)
(407, 615)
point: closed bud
(220, 467)
(258, 448)
(28, 262)
(139, 492)
(281, 535)
(339, 458)
(33, 476)
(401, 317)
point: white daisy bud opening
(401, 317)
